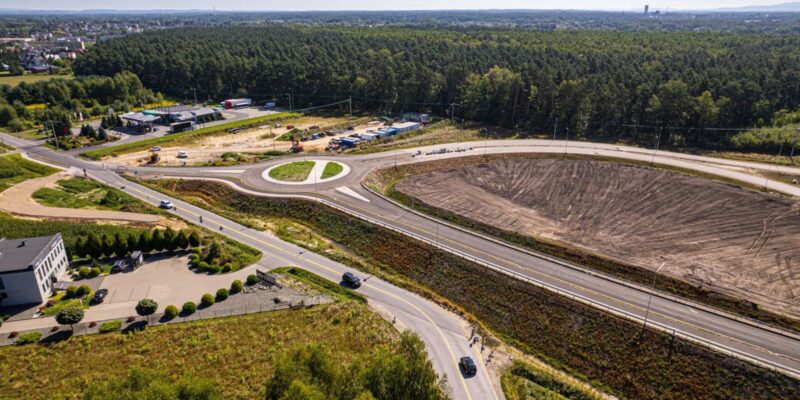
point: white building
(29, 268)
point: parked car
(468, 366)
(182, 154)
(119, 266)
(289, 127)
(155, 148)
(351, 279)
(166, 204)
(99, 296)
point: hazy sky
(374, 4)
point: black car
(468, 366)
(99, 296)
(351, 279)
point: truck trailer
(237, 103)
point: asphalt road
(740, 338)
(446, 335)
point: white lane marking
(350, 192)
(692, 310)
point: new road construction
(763, 345)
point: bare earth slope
(735, 240)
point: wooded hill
(593, 83)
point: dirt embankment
(736, 241)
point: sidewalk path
(18, 200)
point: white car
(155, 148)
(166, 204)
(183, 154)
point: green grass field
(237, 354)
(183, 137)
(15, 169)
(331, 169)
(292, 172)
(85, 193)
(14, 80)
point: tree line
(591, 83)
(121, 245)
(57, 102)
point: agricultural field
(240, 357)
(15, 169)
(723, 238)
(593, 345)
(14, 80)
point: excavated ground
(733, 240)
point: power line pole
(195, 96)
(791, 153)
(658, 141)
(350, 101)
(555, 126)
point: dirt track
(738, 241)
(17, 200)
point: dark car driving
(468, 366)
(99, 296)
(351, 279)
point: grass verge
(385, 180)
(15, 169)
(80, 192)
(183, 137)
(611, 352)
(321, 284)
(331, 169)
(292, 172)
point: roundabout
(306, 172)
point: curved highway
(771, 348)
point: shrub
(227, 268)
(207, 300)
(146, 307)
(71, 291)
(194, 256)
(252, 279)
(84, 272)
(110, 326)
(170, 312)
(213, 269)
(195, 263)
(95, 271)
(236, 286)
(83, 290)
(30, 337)
(69, 316)
(203, 265)
(189, 308)
(222, 294)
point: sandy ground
(17, 200)
(738, 241)
(255, 140)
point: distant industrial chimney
(646, 9)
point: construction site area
(721, 237)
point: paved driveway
(166, 280)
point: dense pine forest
(591, 83)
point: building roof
(20, 254)
(139, 117)
(203, 111)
